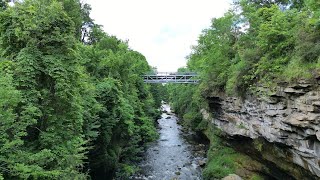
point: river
(176, 155)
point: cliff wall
(284, 124)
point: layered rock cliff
(287, 119)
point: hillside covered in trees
(73, 104)
(257, 44)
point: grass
(297, 70)
(221, 159)
(256, 177)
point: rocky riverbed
(176, 155)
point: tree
(38, 37)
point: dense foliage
(257, 43)
(72, 101)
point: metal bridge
(172, 77)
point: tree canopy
(73, 104)
(258, 42)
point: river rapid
(176, 155)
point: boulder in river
(232, 177)
(202, 162)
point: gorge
(75, 102)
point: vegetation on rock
(257, 43)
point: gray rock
(202, 162)
(289, 116)
(318, 135)
(232, 177)
(293, 91)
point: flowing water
(176, 155)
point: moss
(258, 145)
(224, 160)
(221, 159)
(256, 177)
(241, 126)
(202, 125)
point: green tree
(38, 37)
(11, 129)
(126, 119)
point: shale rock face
(288, 116)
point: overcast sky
(162, 30)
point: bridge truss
(173, 77)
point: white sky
(162, 30)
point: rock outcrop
(288, 116)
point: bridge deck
(165, 77)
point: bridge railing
(171, 73)
(171, 77)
